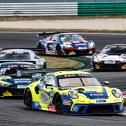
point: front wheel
(58, 104)
(28, 99)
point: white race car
(111, 57)
(22, 55)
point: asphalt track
(14, 113)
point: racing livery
(111, 57)
(66, 44)
(72, 92)
(22, 55)
(12, 80)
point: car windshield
(114, 50)
(71, 38)
(15, 56)
(8, 69)
(77, 80)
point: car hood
(92, 92)
(109, 57)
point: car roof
(68, 33)
(16, 50)
(118, 45)
(68, 72)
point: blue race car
(12, 80)
(63, 44)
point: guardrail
(104, 8)
(38, 9)
(63, 9)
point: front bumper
(103, 66)
(97, 108)
(79, 51)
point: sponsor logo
(52, 108)
(96, 94)
(100, 100)
(68, 103)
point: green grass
(60, 62)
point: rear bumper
(11, 91)
(98, 108)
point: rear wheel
(60, 51)
(28, 99)
(58, 104)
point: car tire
(58, 104)
(60, 51)
(28, 99)
(44, 66)
(40, 46)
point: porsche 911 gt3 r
(65, 44)
(72, 92)
(112, 57)
(22, 55)
(12, 80)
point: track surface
(14, 113)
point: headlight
(123, 58)
(117, 93)
(73, 94)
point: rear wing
(33, 49)
(45, 34)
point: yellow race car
(73, 92)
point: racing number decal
(45, 98)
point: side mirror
(36, 77)
(49, 85)
(106, 83)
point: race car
(22, 55)
(111, 57)
(63, 44)
(75, 92)
(13, 80)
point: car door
(51, 45)
(48, 91)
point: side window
(49, 38)
(50, 79)
(55, 38)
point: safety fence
(63, 9)
(38, 9)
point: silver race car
(111, 57)
(22, 55)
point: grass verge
(60, 62)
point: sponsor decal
(100, 100)
(7, 93)
(96, 94)
(68, 103)
(21, 86)
(79, 100)
(52, 108)
(21, 80)
(45, 97)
